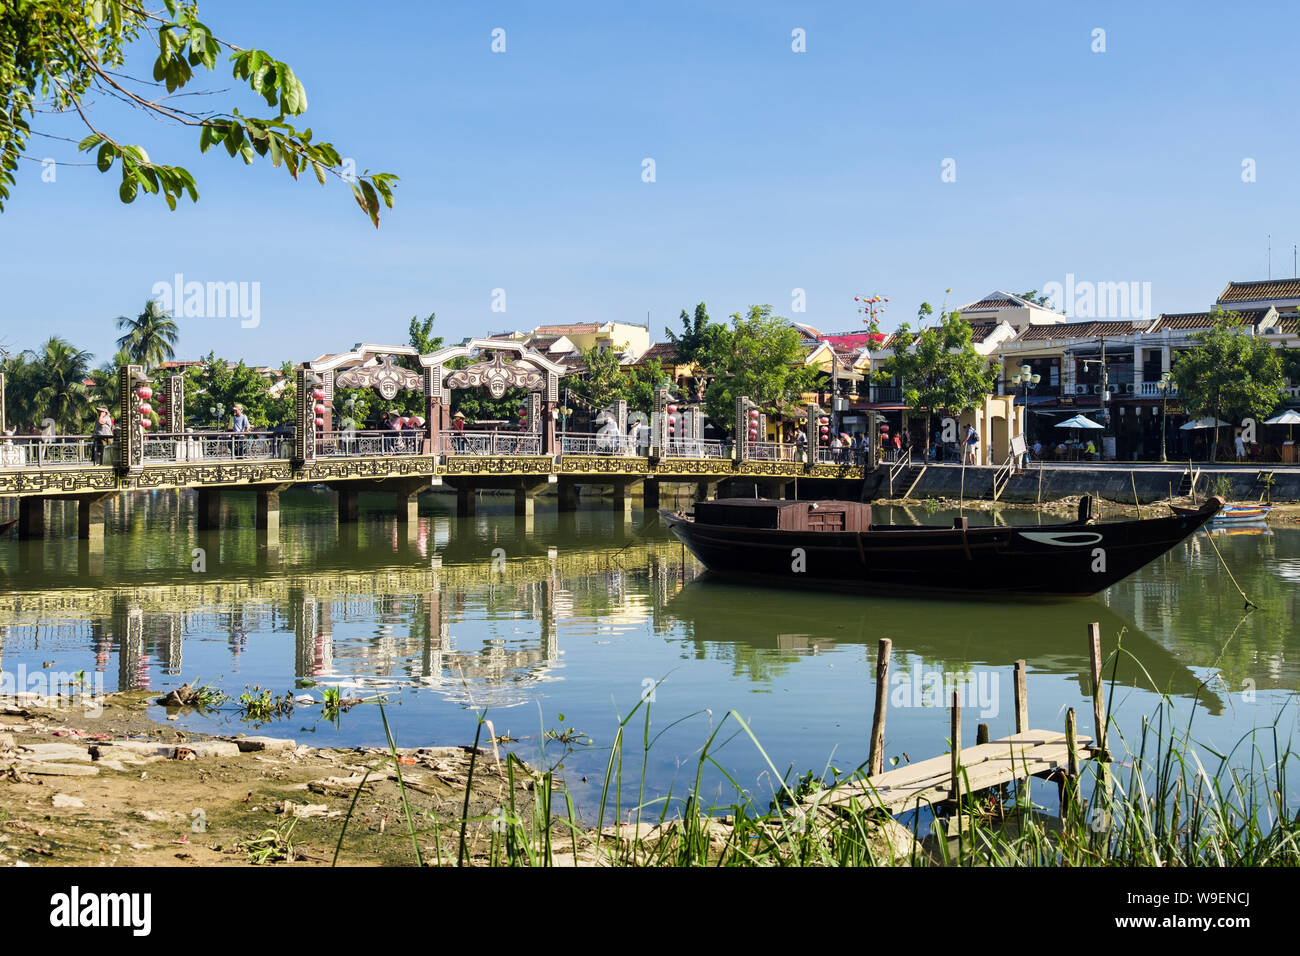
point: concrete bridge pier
(650, 494)
(568, 492)
(268, 510)
(466, 501)
(623, 493)
(706, 490)
(777, 490)
(208, 509)
(349, 504)
(90, 520)
(31, 517)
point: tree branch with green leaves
(61, 56)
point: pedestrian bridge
(38, 470)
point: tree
(106, 380)
(761, 356)
(938, 367)
(65, 56)
(57, 386)
(214, 386)
(420, 334)
(1034, 297)
(696, 330)
(151, 336)
(1229, 373)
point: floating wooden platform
(1032, 753)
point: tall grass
(1161, 801)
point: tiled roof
(1262, 289)
(663, 351)
(979, 331)
(1288, 324)
(1074, 330)
(1200, 320)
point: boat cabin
(785, 515)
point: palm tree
(59, 376)
(106, 378)
(150, 337)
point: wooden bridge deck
(1031, 753)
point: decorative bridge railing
(348, 444)
(490, 443)
(214, 446)
(770, 451)
(41, 452)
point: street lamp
(1163, 386)
(1026, 381)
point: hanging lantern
(320, 422)
(145, 423)
(145, 392)
(318, 393)
(145, 409)
(671, 409)
(753, 414)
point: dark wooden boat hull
(1075, 559)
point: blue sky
(774, 170)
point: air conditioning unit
(1082, 389)
(1128, 388)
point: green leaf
(128, 190)
(293, 96)
(89, 142)
(104, 161)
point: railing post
(130, 432)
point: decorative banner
(534, 423)
(2, 402)
(496, 376)
(173, 403)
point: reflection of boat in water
(1050, 636)
(834, 545)
(1233, 514)
(1239, 528)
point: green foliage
(420, 334)
(216, 385)
(1229, 374)
(938, 366)
(1037, 299)
(49, 382)
(150, 337)
(760, 355)
(696, 330)
(66, 56)
(605, 380)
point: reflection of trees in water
(1188, 604)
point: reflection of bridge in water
(413, 612)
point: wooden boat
(1232, 513)
(834, 545)
(6, 525)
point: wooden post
(1070, 789)
(956, 744)
(982, 734)
(1098, 700)
(876, 758)
(1022, 697)
(1132, 477)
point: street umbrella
(1202, 423)
(1290, 417)
(1078, 421)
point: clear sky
(774, 170)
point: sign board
(1017, 444)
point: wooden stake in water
(1021, 697)
(1098, 698)
(956, 745)
(876, 757)
(1070, 793)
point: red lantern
(671, 409)
(145, 423)
(145, 409)
(318, 394)
(753, 413)
(145, 392)
(320, 423)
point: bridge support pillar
(408, 507)
(706, 490)
(568, 491)
(31, 517)
(208, 509)
(90, 520)
(623, 491)
(349, 505)
(268, 511)
(525, 501)
(466, 502)
(650, 493)
(776, 490)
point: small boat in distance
(1229, 513)
(834, 545)
(6, 525)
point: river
(585, 614)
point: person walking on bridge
(103, 434)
